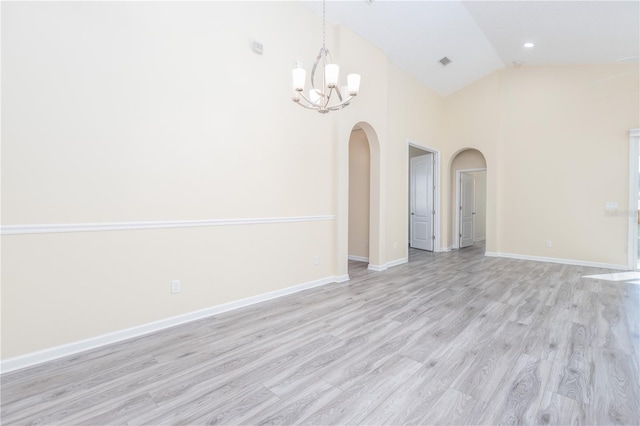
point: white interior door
(421, 202)
(467, 209)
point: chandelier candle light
(320, 99)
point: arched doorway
(376, 244)
(468, 198)
(359, 200)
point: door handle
(412, 214)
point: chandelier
(320, 99)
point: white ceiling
(482, 36)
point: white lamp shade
(314, 96)
(353, 81)
(299, 75)
(344, 91)
(331, 75)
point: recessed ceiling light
(528, 44)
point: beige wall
(416, 115)
(151, 111)
(61, 288)
(359, 195)
(556, 144)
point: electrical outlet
(548, 243)
(317, 260)
(175, 286)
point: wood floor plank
(549, 333)
(612, 325)
(188, 386)
(284, 382)
(368, 359)
(310, 396)
(354, 403)
(234, 412)
(576, 380)
(487, 324)
(615, 398)
(70, 393)
(518, 398)
(411, 402)
(556, 409)
(454, 408)
(495, 360)
(218, 399)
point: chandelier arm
(339, 106)
(309, 107)
(323, 54)
(327, 98)
(312, 105)
(313, 69)
(339, 94)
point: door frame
(436, 192)
(634, 152)
(456, 239)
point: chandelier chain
(324, 7)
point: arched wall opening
(468, 198)
(359, 196)
(376, 246)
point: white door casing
(421, 201)
(634, 206)
(467, 209)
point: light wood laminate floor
(448, 338)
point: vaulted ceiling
(482, 36)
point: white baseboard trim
(380, 268)
(445, 249)
(358, 258)
(558, 260)
(377, 268)
(34, 358)
(397, 262)
(341, 278)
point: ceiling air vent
(445, 61)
